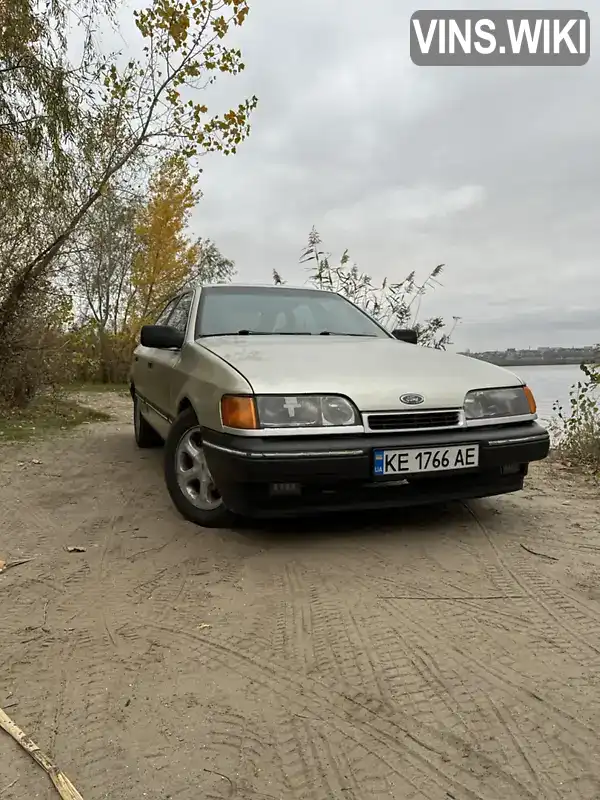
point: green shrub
(578, 430)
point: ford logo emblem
(412, 399)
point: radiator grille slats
(406, 420)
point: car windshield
(231, 310)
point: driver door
(143, 360)
(163, 364)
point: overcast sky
(494, 172)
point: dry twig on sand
(541, 555)
(63, 785)
(4, 565)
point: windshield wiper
(274, 333)
(247, 332)
(335, 333)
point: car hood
(373, 372)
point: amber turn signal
(530, 399)
(239, 411)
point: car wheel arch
(201, 404)
(185, 403)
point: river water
(550, 384)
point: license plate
(434, 459)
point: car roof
(272, 286)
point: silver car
(273, 400)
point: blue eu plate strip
(378, 462)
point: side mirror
(162, 337)
(405, 335)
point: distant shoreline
(530, 363)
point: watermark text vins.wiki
(500, 38)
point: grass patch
(44, 415)
(580, 446)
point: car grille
(408, 421)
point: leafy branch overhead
(152, 102)
(184, 52)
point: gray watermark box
(500, 38)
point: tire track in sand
(553, 737)
(440, 759)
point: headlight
(489, 403)
(308, 411)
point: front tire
(145, 435)
(189, 482)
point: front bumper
(336, 472)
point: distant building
(541, 355)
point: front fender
(206, 378)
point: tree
(104, 255)
(77, 134)
(167, 259)
(133, 254)
(40, 90)
(30, 206)
(143, 106)
(100, 264)
(394, 305)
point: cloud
(492, 171)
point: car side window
(179, 317)
(165, 313)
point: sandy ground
(414, 656)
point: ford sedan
(273, 400)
